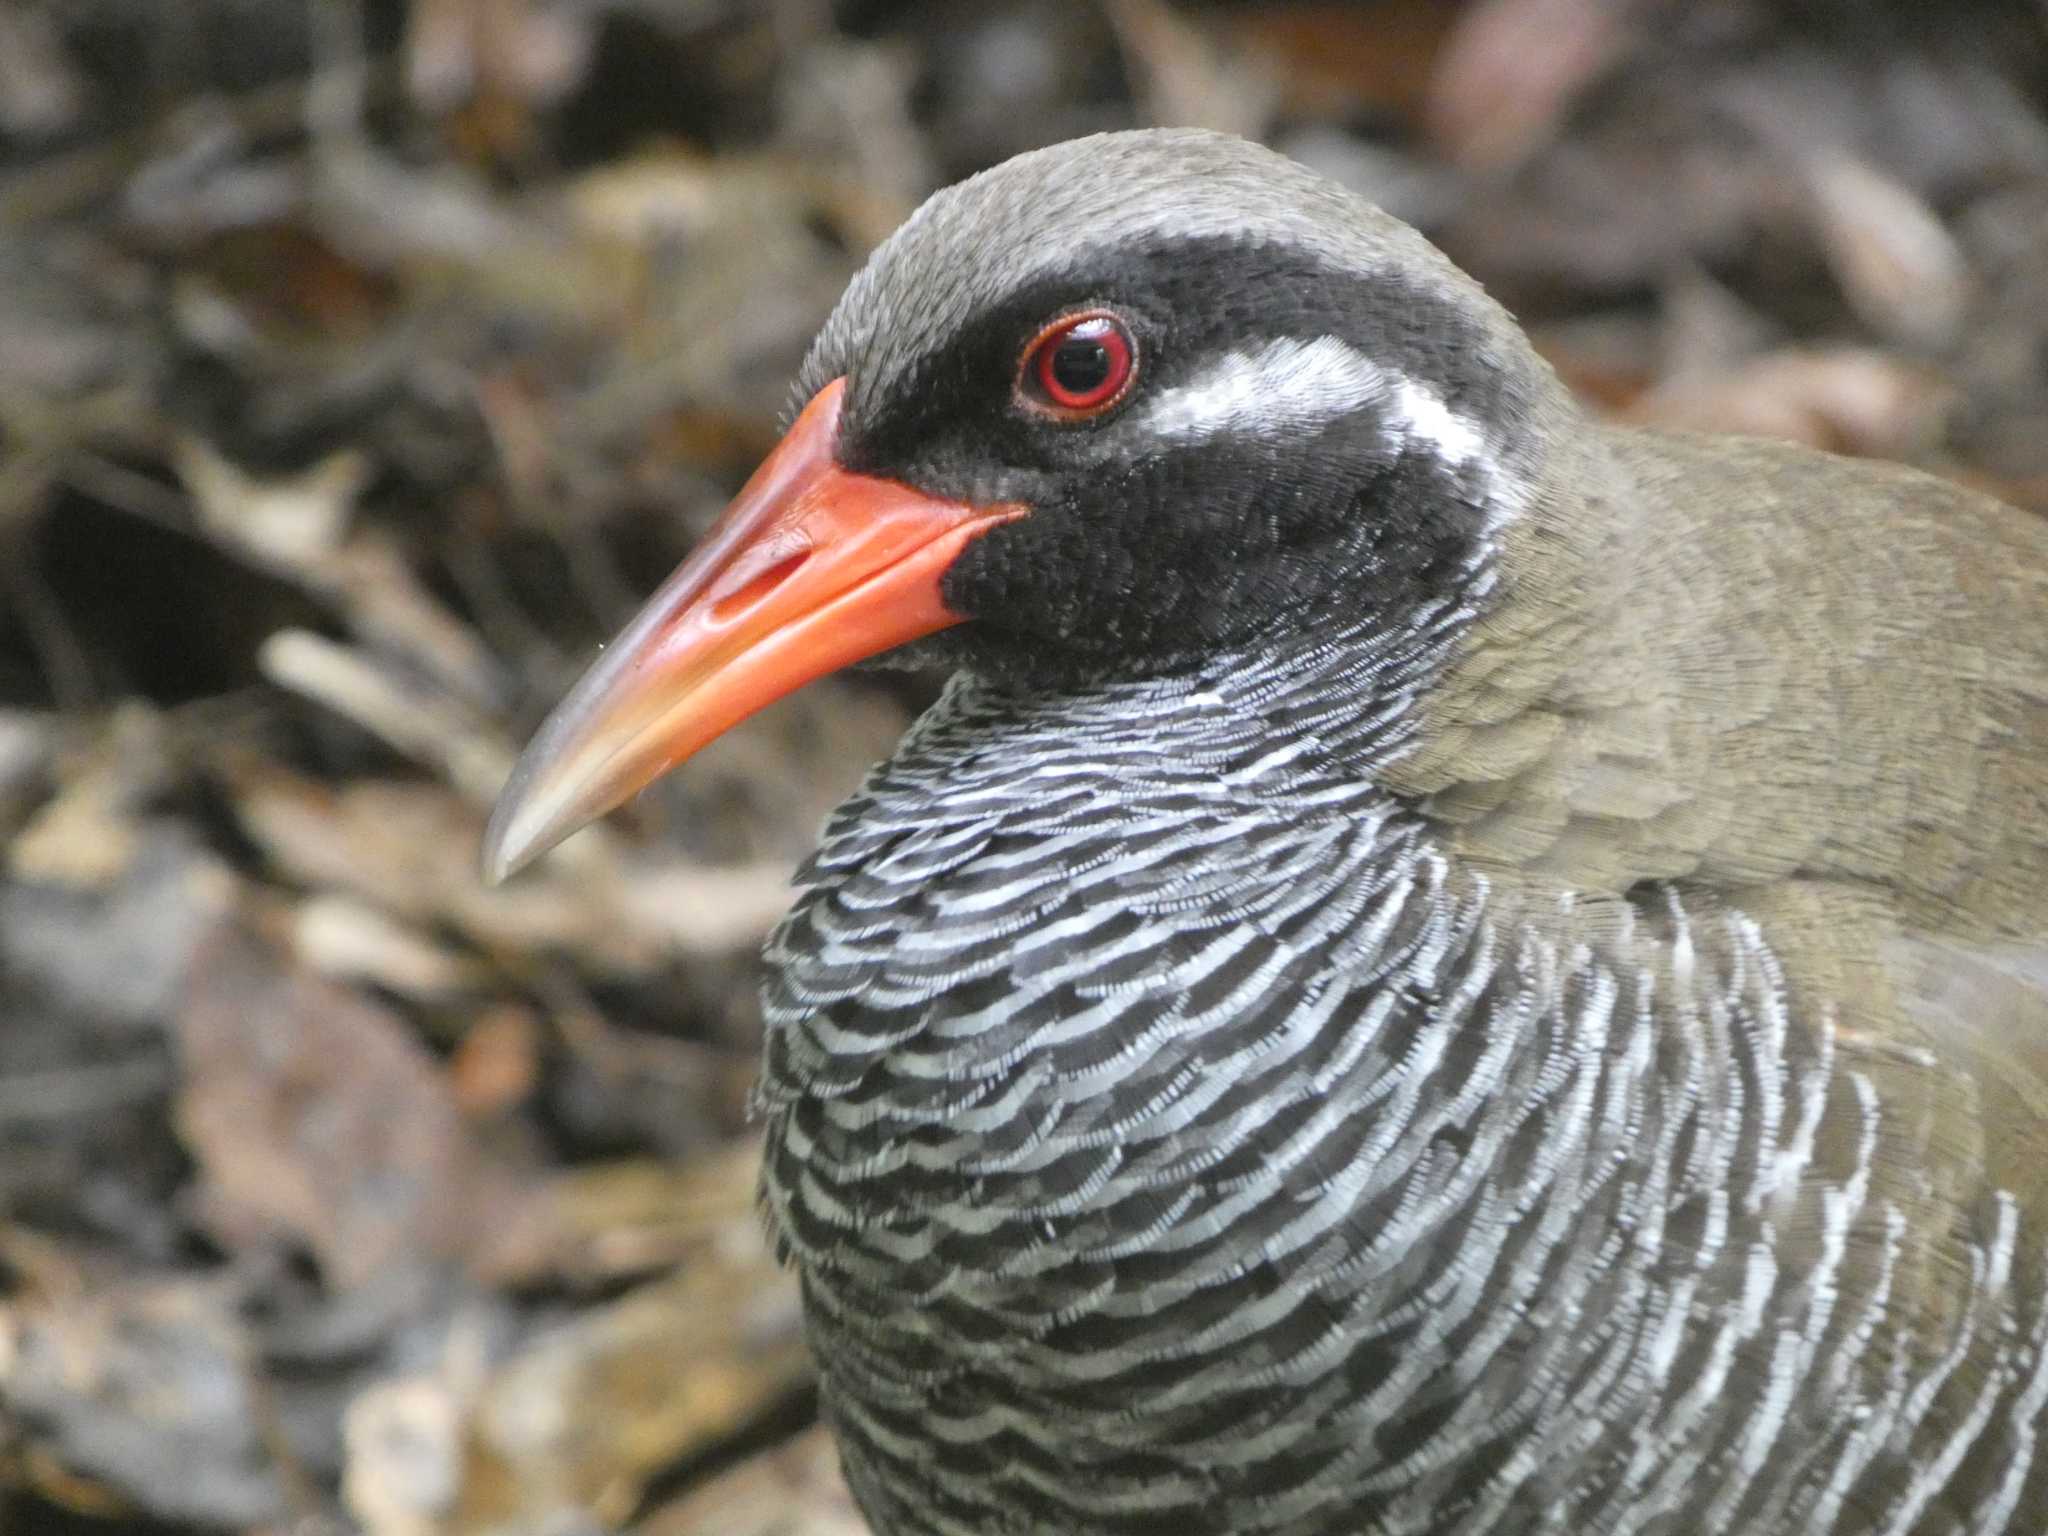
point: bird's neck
(1091, 998)
(1072, 812)
(1320, 707)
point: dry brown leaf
(582, 1420)
(420, 721)
(710, 910)
(345, 940)
(402, 1440)
(496, 1065)
(138, 1389)
(572, 1427)
(596, 1225)
(1184, 79)
(411, 850)
(457, 50)
(1899, 268)
(1706, 328)
(1336, 58)
(286, 523)
(297, 527)
(403, 1444)
(1512, 69)
(1846, 399)
(316, 1116)
(86, 835)
(391, 609)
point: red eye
(1081, 365)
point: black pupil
(1081, 363)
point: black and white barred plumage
(1439, 967)
(1176, 1134)
(1173, 1138)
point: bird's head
(1107, 409)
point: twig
(64, 662)
(130, 491)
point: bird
(1439, 964)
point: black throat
(1249, 591)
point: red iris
(1081, 365)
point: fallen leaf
(576, 1425)
(138, 1389)
(1336, 59)
(497, 1063)
(284, 522)
(316, 1116)
(424, 723)
(348, 941)
(1900, 269)
(121, 954)
(87, 833)
(1512, 69)
(597, 1225)
(1184, 79)
(1845, 399)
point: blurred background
(362, 363)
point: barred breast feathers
(1452, 1076)
(1121, 1052)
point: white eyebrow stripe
(1291, 388)
(1296, 388)
(1286, 386)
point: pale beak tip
(500, 860)
(512, 840)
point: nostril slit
(738, 602)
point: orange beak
(810, 569)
